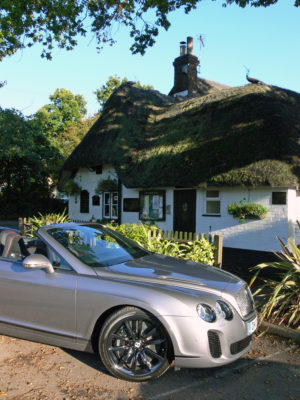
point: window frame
(210, 199)
(61, 268)
(111, 204)
(278, 203)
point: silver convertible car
(86, 287)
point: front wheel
(133, 345)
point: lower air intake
(214, 344)
(240, 345)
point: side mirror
(38, 261)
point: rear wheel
(133, 345)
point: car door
(37, 305)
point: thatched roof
(205, 86)
(246, 135)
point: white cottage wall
(251, 234)
(88, 180)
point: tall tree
(63, 119)
(112, 83)
(26, 159)
(59, 22)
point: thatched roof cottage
(185, 160)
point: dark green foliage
(65, 110)
(63, 122)
(237, 136)
(53, 22)
(13, 206)
(26, 159)
(244, 210)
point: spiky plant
(281, 297)
(39, 220)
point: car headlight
(224, 310)
(206, 313)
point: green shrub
(138, 232)
(281, 297)
(39, 220)
(247, 210)
(200, 250)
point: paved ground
(31, 371)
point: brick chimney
(185, 70)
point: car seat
(3, 237)
(15, 247)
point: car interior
(13, 245)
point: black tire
(134, 346)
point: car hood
(164, 270)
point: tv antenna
(202, 40)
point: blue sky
(266, 40)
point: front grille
(245, 301)
(214, 344)
(240, 345)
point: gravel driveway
(31, 371)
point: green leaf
(283, 303)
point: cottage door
(184, 210)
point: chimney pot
(182, 48)
(190, 45)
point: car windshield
(97, 246)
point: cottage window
(96, 200)
(212, 202)
(278, 198)
(110, 205)
(84, 202)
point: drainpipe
(119, 201)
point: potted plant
(107, 185)
(245, 210)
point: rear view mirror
(38, 261)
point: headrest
(3, 236)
